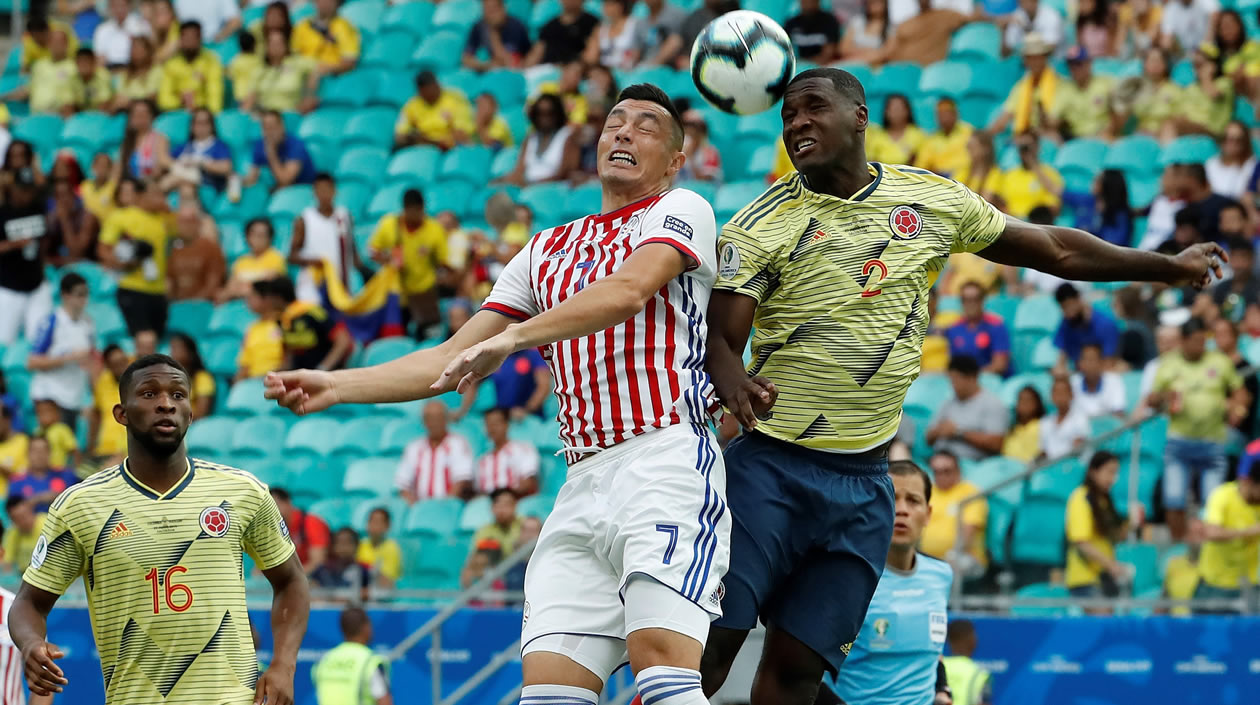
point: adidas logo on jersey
(120, 531)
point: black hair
(909, 108)
(274, 113)
(323, 176)
(271, 229)
(945, 454)
(382, 510)
(110, 350)
(281, 493)
(1115, 198)
(246, 42)
(1107, 520)
(425, 78)
(5, 412)
(189, 24)
(1094, 345)
(1219, 41)
(977, 285)
(413, 197)
(1192, 326)
(12, 502)
(495, 495)
(37, 23)
(279, 287)
(214, 125)
(71, 280)
(964, 365)
(194, 356)
(1239, 244)
(653, 94)
(846, 84)
(1197, 173)
(1066, 292)
(907, 468)
(142, 363)
(497, 410)
(960, 629)
(352, 621)
(1232, 205)
(1041, 404)
(557, 105)
(85, 52)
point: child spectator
(62, 444)
(244, 68)
(262, 349)
(379, 552)
(41, 483)
(342, 570)
(263, 261)
(107, 438)
(25, 527)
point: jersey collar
(151, 494)
(875, 168)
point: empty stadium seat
(397, 433)
(538, 506)
(989, 472)
(90, 130)
(419, 163)
(945, 78)
(210, 436)
(1039, 536)
(371, 477)
(1189, 149)
(246, 399)
(389, 49)
(366, 15)
(440, 50)
(325, 125)
(288, 202)
(434, 517)
(1133, 154)
(980, 41)
(1039, 591)
(191, 317)
(41, 130)
(468, 163)
(362, 164)
(220, 356)
(1057, 481)
(997, 530)
(174, 124)
(413, 17)
(258, 437)
(476, 514)
(386, 349)
(897, 77)
(110, 326)
(731, 197)
(316, 435)
(337, 512)
(358, 437)
(231, 319)
(1039, 313)
(354, 196)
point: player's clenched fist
(1198, 263)
(43, 675)
(275, 687)
(301, 391)
(752, 400)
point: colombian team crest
(214, 521)
(906, 223)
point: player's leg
(665, 638)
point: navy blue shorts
(809, 534)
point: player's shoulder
(227, 476)
(903, 175)
(99, 484)
(683, 200)
(763, 209)
(934, 568)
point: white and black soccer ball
(742, 61)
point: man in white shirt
(219, 19)
(112, 38)
(438, 465)
(1066, 429)
(1097, 393)
(1032, 16)
(63, 350)
(1186, 23)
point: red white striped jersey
(430, 472)
(507, 466)
(647, 372)
(13, 687)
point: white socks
(557, 695)
(667, 685)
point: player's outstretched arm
(1079, 256)
(730, 321)
(28, 627)
(405, 379)
(601, 305)
(290, 608)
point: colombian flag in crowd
(374, 312)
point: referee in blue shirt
(896, 659)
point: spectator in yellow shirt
(1031, 184)
(379, 552)
(92, 83)
(37, 38)
(107, 438)
(286, 81)
(898, 140)
(1023, 441)
(329, 39)
(417, 244)
(263, 261)
(435, 115)
(1231, 533)
(245, 67)
(193, 78)
(945, 151)
(982, 175)
(52, 86)
(97, 193)
(13, 448)
(134, 241)
(25, 527)
(1093, 527)
(940, 537)
(490, 128)
(142, 77)
(262, 350)
(1031, 99)
(63, 447)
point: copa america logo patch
(40, 552)
(214, 521)
(729, 261)
(906, 223)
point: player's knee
(663, 628)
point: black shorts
(143, 311)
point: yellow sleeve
(747, 262)
(979, 223)
(500, 132)
(58, 558)
(1216, 511)
(391, 560)
(976, 514)
(1080, 521)
(441, 249)
(266, 539)
(203, 385)
(347, 39)
(168, 92)
(462, 117)
(386, 234)
(214, 91)
(60, 436)
(1165, 373)
(111, 229)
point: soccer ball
(742, 62)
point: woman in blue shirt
(204, 160)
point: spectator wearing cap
(945, 150)
(284, 156)
(328, 38)
(497, 40)
(438, 465)
(704, 161)
(509, 464)
(25, 295)
(1098, 392)
(220, 19)
(1082, 106)
(973, 424)
(979, 334)
(193, 78)
(112, 39)
(436, 116)
(1201, 391)
(63, 352)
(1031, 100)
(1082, 324)
(1032, 17)
(36, 38)
(1231, 532)
(418, 245)
(564, 38)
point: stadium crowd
(200, 176)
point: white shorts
(652, 506)
(23, 312)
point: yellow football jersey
(164, 579)
(842, 287)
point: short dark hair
(497, 410)
(1192, 326)
(271, 229)
(352, 621)
(1239, 244)
(557, 105)
(1066, 292)
(347, 530)
(959, 630)
(653, 94)
(111, 349)
(37, 23)
(426, 78)
(846, 84)
(964, 365)
(413, 197)
(274, 113)
(906, 468)
(145, 362)
(495, 495)
(13, 501)
(1041, 215)
(279, 287)
(1197, 173)
(281, 493)
(1091, 345)
(946, 100)
(189, 24)
(246, 42)
(1232, 205)
(71, 280)
(323, 176)
(85, 52)
(382, 511)
(5, 412)
(944, 454)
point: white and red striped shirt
(507, 466)
(647, 372)
(13, 687)
(430, 472)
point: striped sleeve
(512, 295)
(748, 263)
(266, 539)
(58, 558)
(979, 223)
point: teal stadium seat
(231, 319)
(373, 127)
(88, 130)
(476, 514)
(997, 532)
(397, 433)
(363, 508)
(191, 317)
(1039, 313)
(354, 195)
(43, 131)
(453, 195)
(584, 200)
(547, 200)
(413, 17)
(1133, 155)
(760, 163)
(419, 164)
(364, 165)
(468, 163)
(1117, 68)
(434, 564)
(369, 477)
(359, 437)
(733, 196)
(238, 129)
(350, 90)
(507, 86)
(15, 355)
(861, 72)
(778, 10)
(258, 437)
(313, 435)
(987, 473)
(365, 15)
(211, 436)
(174, 124)
(220, 356)
(538, 506)
(1044, 355)
(1079, 161)
(326, 126)
(1144, 557)
(977, 41)
(337, 512)
(1040, 381)
(503, 163)
(288, 202)
(1038, 534)
(386, 349)
(762, 127)
(433, 517)
(1143, 188)
(897, 77)
(541, 13)
(1058, 481)
(246, 399)
(110, 326)
(440, 50)
(1190, 149)
(456, 15)
(945, 78)
(1183, 73)
(389, 50)
(101, 282)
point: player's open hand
(275, 687)
(301, 391)
(1198, 263)
(43, 675)
(752, 400)
(475, 364)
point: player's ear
(863, 118)
(676, 164)
(120, 414)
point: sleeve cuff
(690, 254)
(505, 310)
